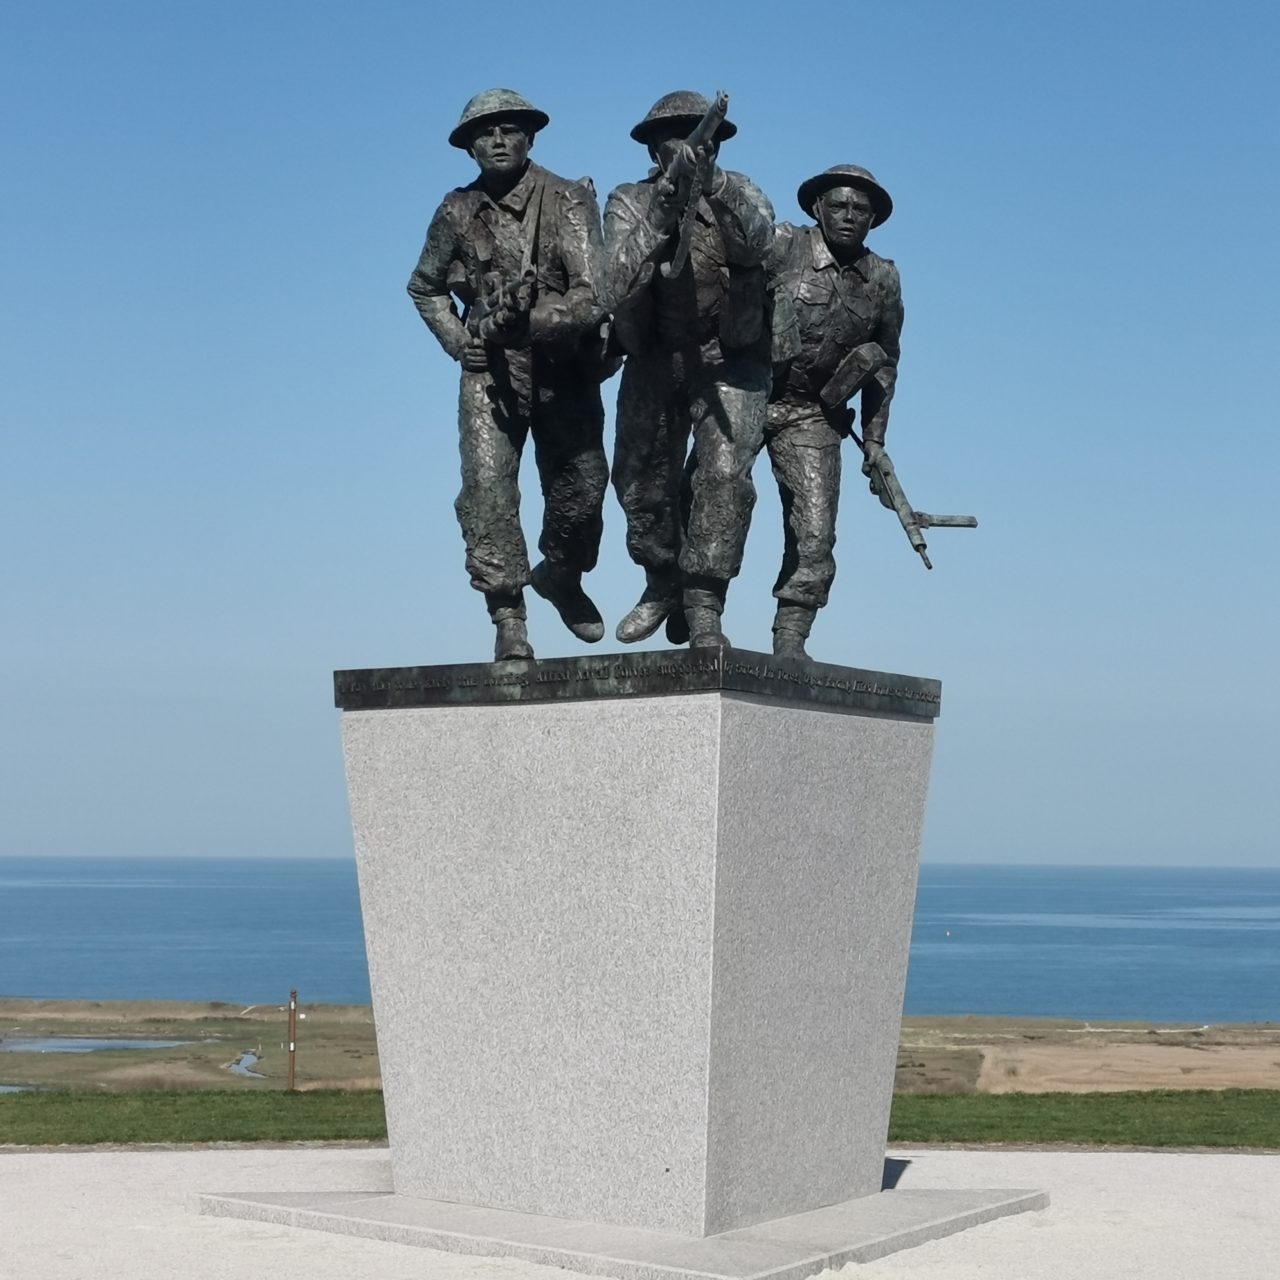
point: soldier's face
(844, 214)
(500, 147)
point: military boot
(791, 628)
(677, 627)
(661, 598)
(562, 588)
(508, 614)
(703, 605)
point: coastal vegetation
(337, 1048)
(336, 1045)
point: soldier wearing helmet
(831, 296)
(697, 344)
(507, 283)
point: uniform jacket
(821, 311)
(471, 234)
(725, 289)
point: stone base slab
(860, 1230)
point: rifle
(703, 135)
(884, 484)
(503, 304)
(851, 375)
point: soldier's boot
(677, 627)
(703, 606)
(562, 588)
(660, 602)
(508, 614)
(791, 627)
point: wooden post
(293, 1039)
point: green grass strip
(1155, 1118)
(215, 1115)
(1147, 1118)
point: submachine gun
(502, 309)
(852, 374)
(703, 135)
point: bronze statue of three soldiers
(735, 334)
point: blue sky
(229, 450)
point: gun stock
(853, 373)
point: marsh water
(78, 1044)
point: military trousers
(805, 452)
(663, 401)
(566, 419)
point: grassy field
(217, 1115)
(1233, 1118)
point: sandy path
(1084, 1068)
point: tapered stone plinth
(637, 928)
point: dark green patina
(632, 675)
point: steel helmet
(683, 105)
(492, 104)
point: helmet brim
(645, 128)
(532, 120)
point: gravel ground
(98, 1215)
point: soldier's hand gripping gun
(697, 182)
(501, 313)
(852, 374)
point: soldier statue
(518, 250)
(684, 276)
(837, 324)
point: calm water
(1160, 944)
(1087, 942)
(235, 929)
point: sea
(1185, 945)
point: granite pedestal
(637, 930)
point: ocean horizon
(1150, 944)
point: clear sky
(229, 444)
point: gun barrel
(702, 135)
(705, 130)
(926, 521)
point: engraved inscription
(633, 674)
(507, 679)
(628, 671)
(825, 680)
